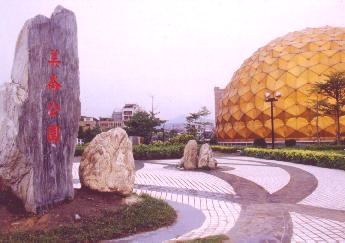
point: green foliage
(193, 120)
(143, 151)
(213, 139)
(226, 149)
(323, 147)
(260, 142)
(290, 142)
(149, 214)
(333, 92)
(181, 139)
(157, 150)
(88, 134)
(327, 159)
(79, 149)
(209, 239)
(143, 124)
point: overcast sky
(174, 50)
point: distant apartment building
(129, 110)
(87, 122)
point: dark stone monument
(40, 110)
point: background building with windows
(87, 122)
(129, 110)
(116, 120)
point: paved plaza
(247, 199)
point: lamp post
(317, 118)
(272, 97)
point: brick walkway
(253, 200)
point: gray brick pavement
(217, 199)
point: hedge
(226, 149)
(322, 147)
(79, 149)
(327, 159)
(143, 151)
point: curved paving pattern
(253, 200)
(205, 192)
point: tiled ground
(253, 200)
(196, 189)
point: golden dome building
(289, 65)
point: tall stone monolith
(40, 110)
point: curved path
(253, 200)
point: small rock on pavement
(77, 217)
(189, 160)
(206, 159)
(133, 199)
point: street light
(272, 97)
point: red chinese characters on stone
(53, 84)
(53, 131)
(54, 61)
(53, 134)
(53, 109)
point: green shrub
(152, 151)
(181, 139)
(290, 142)
(322, 147)
(146, 215)
(79, 149)
(144, 152)
(260, 142)
(327, 159)
(226, 149)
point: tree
(195, 121)
(143, 124)
(333, 91)
(88, 134)
(181, 139)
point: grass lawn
(209, 239)
(105, 217)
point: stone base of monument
(90, 217)
(86, 204)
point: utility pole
(152, 105)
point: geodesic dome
(290, 65)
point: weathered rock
(189, 160)
(34, 163)
(206, 160)
(107, 164)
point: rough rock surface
(39, 171)
(107, 164)
(189, 160)
(206, 159)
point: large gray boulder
(189, 160)
(206, 160)
(107, 164)
(39, 116)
